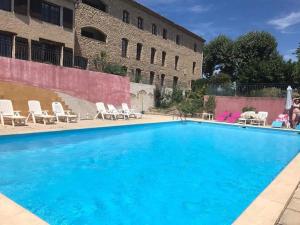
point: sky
(210, 18)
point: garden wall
(274, 106)
(88, 85)
(142, 96)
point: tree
(257, 59)
(218, 52)
(298, 53)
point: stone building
(38, 30)
(153, 49)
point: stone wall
(142, 96)
(110, 23)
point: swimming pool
(175, 173)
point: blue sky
(209, 18)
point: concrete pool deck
(278, 204)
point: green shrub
(210, 104)
(177, 95)
(115, 69)
(190, 106)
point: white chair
(7, 113)
(116, 113)
(60, 113)
(261, 119)
(247, 117)
(130, 112)
(37, 114)
(101, 110)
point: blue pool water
(173, 173)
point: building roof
(166, 20)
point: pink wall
(274, 106)
(88, 85)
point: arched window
(96, 4)
(93, 33)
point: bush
(221, 78)
(190, 106)
(115, 69)
(248, 108)
(177, 95)
(157, 97)
(210, 105)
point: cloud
(287, 21)
(199, 8)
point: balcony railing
(42, 54)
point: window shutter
(68, 18)
(36, 8)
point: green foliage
(177, 95)
(252, 58)
(100, 61)
(248, 108)
(157, 97)
(115, 69)
(218, 52)
(210, 104)
(268, 92)
(101, 64)
(221, 78)
(190, 106)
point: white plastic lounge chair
(247, 117)
(116, 113)
(101, 110)
(261, 119)
(7, 113)
(60, 113)
(37, 114)
(130, 112)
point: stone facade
(33, 29)
(111, 25)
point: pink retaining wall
(88, 85)
(274, 106)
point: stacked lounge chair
(130, 112)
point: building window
(96, 4)
(80, 62)
(5, 45)
(93, 33)
(152, 75)
(176, 62)
(177, 39)
(20, 6)
(175, 82)
(45, 52)
(126, 17)
(153, 52)
(5, 5)
(124, 47)
(140, 23)
(138, 76)
(51, 13)
(154, 29)
(68, 57)
(22, 48)
(36, 9)
(163, 58)
(194, 67)
(139, 48)
(165, 34)
(195, 48)
(68, 18)
(162, 80)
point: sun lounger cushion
(277, 124)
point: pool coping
(270, 203)
(264, 210)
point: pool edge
(12, 213)
(269, 204)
